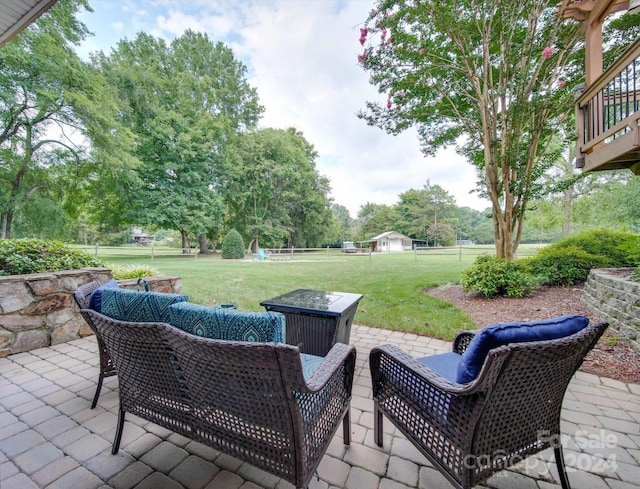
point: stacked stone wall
(615, 299)
(38, 310)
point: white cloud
(302, 58)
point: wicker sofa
(221, 377)
(246, 399)
(488, 404)
(222, 322)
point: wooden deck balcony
(607, 117)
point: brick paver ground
(50, 438)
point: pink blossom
(389, 104)
(421, 51)
(389, 40)
(561, 83)
(363, 35)
(362, 57)
(384, 34)
(547, 52)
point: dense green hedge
(565, 262)
(233, 245)
(606, 243)
(491, 276)
(564, 266)
(24, 256)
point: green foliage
(24, 256)
(447, 70)
(631, 246)
(133, 270)
(491, 276)
(564, 266)
(186, 101)
(45, 84)
(276, 196)
(601, 242)
(233, 245)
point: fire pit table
(316, 320)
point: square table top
(314, 301)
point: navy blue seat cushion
(226, 323)
(95, 299)
(445, 364)
(497, 335)
(134, 306)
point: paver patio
(50, 438)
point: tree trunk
(202, 241)
(185, 241)
(5, 225)
(567, 200)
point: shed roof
(390, 235)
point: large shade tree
(491, 76)
(275, 193)
(57, 117)
(185, 101)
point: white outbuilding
(391, 241)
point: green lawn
(392, 284)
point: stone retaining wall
(38, 310)
(616, 300)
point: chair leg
(562, 472)
(118, 437)
(346, 427)
(98, 389)
(377, 425)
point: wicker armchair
(107, 369)
(248, 400)
(469, 431)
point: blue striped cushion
(134, 306)
(224, 323)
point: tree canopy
(185, 102)
(275, 192)
(55, 111)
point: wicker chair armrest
(412, 367)
(339, 355)
(461, 343)
(83, 293)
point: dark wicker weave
(469, 431)
(107, 369)
(248, 400)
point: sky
(301, 56)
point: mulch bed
(612, 357)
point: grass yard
(392, 285)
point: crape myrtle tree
(185, 102)
(57, 122)
(492, 77)
(275, 193)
